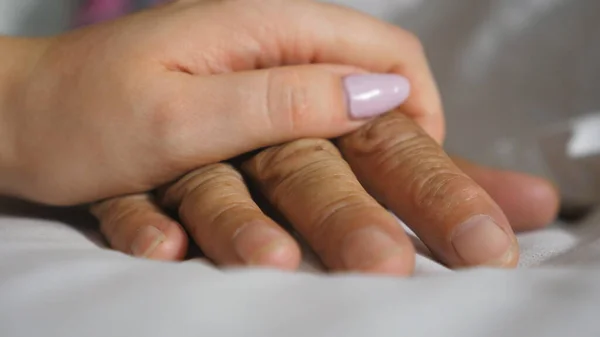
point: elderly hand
(461, 211)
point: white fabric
(55, 281)
(504, 67)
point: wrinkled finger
(136, 226)
(215, 206)
(313, 187)
(529, 202)
(412, 175)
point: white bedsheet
(504, 67)
(56, 281)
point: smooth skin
(126, 106)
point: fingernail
(374, 94)
(480, 241)
(146, 241)
(260, 244)
(367, 247)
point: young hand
(125, 106)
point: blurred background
(508, 70)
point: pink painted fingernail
(146, 241)
(371, 95)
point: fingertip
(529, 202)
(373, 250)
(546, 195)
(135, 225)
(512, 260)
(281, 254)
(400, 263)
(159, 240)
(263, 244)
(174, 244)
(370, 95)
(483, 240)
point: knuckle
(353, 202)
(286, 166)
(212, 177)
(197, 183)
(387, 140)
(441, 189)
(113, 212)
(288, 103)
(103, 208)
(303, 148)
(411, 41)
(290, 156)
(219, 190)
(214, 174)
(400, 151)
(169, 124)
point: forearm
(18, 57)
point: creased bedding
(505, 67)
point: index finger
(273, 33)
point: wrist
(18, 57)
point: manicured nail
(480, 241)
(260, 244)
(366, 248)
(146, 241)
(375, 94)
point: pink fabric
(94, 11)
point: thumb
(244, 111)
